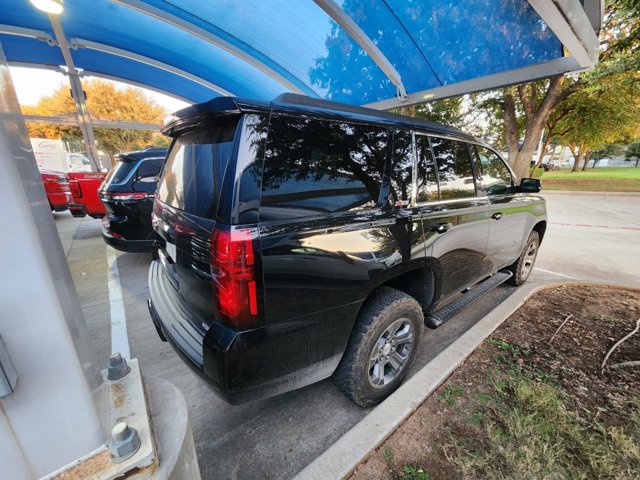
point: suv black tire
(384, 310)
(522, 267)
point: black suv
(127, 194)
(300, 239)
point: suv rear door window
(402, 171)
(495, 176)
(315, 167)
(192, 177)
(427, 183)
(455, 172)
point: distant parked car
(84, 188)
(56, 185)
(127, 195)
(544, 166)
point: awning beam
(84, 118)
(362, 39)
(72, 121)
(276, 72)
(570, 23)
(77, 43)
(28, 33)
(511, 77)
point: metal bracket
(8, 374)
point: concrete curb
(339, 460)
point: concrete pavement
(593, 237)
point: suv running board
(437, 318)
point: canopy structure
(381, 53)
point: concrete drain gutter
(341, 459)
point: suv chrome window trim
(414, 172)
(453, 200)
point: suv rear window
(315, 167)
(192, 177)
(148, 169)
(120, 171)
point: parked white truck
(51, 154)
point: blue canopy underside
(429, 42)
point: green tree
(527, 109)
(633, 151)
(105, 102)
(603, 112)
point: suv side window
(495, 176)
(148, 170)
(455, 172)
(427, 182)
(314, 167)
(402, 170)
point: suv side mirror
(529, 185)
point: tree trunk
(541, 154)
(578, 153)
(587, 156)
(637, 161)
(536, 115)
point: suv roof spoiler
(148, 152)
(296, 103)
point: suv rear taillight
(234, 276)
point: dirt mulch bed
(598, 317)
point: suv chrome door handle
(441, 227)
(497, 216)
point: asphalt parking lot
(590, 237)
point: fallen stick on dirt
(618, 343)
(635, 363)
(561, 325)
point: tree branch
(511, 125)
(552, 98)
(526, 101)
(618, 343)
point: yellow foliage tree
(105, 101)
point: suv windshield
(192, 177)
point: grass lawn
(604, 179)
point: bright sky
(31, 84)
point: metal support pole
(84, 118)
(50, 418)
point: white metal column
(50, 419)
(84, 118)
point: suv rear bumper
(117, 241)
(124, 245)
(247, 365)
